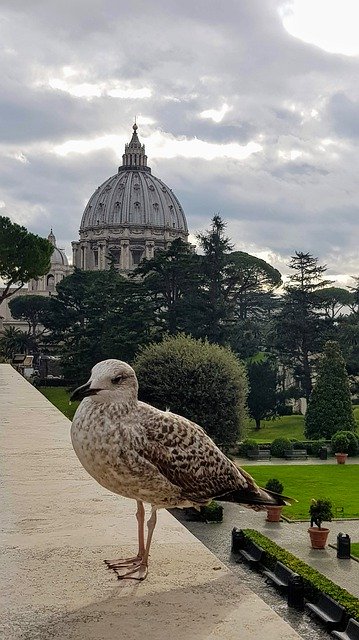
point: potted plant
(343, 443)
(320, 511)
(274, 512)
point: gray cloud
(299, 102)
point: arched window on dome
(50, 282)
(95, 258)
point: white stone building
(43, 286)
(129, 216)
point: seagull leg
(135, 560)
(140, 571)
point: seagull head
(110, 381)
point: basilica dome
(129, 216)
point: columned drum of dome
(129, 216)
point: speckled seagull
(140, 452)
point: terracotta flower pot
(274, 513)
(341, 457)
(318, 537)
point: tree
(330, 407)
(23, 256)
(33, 309)
(300, 331)
(262, 397)
(203, 382)
(333, 300)
(12, 341)
(236, 288)
(97, 315)
(171, 279)
(215, 245)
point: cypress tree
(330, 407)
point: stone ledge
(57, 527)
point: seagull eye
(117, 380)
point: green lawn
(60, 398)
(283, 427)
(354, 549)
(337, 482)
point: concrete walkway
(58, 525)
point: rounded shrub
(274, 485)
(247, 445)
(279, 446)
(345, 442)
(203, 382)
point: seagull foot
(119, 563)
(138, 572)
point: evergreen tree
(217, 307)
(300, 330)
(262, 379)
(330, 407)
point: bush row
(314, 582)
(280, 445)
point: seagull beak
(82, 392)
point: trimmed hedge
(314, 582)
(201, 381)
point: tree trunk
(258, 423)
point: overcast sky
(249, 108)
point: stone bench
(280, 576)
(296, 454)
(350, 633)
(252, 553)
(328, 610)
(259, 454)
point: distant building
(43, 286)
(129, 217)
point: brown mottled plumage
(140, 452)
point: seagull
(151, 456)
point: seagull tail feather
(256, 499)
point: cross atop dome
(134, 156)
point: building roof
(134, 196)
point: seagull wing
(188, 458)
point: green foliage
(274, 485)
(172, 281)
(205, 383)
(330, 407)
(345, 442)
(97, 315)
(354, 549)
(247, 445)
(314, 582)
(23, 256)
(279, 446)
(262, 398)
(212, 512)
(13, 340)
(320, 511)
(31, 308)
(300, 331)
